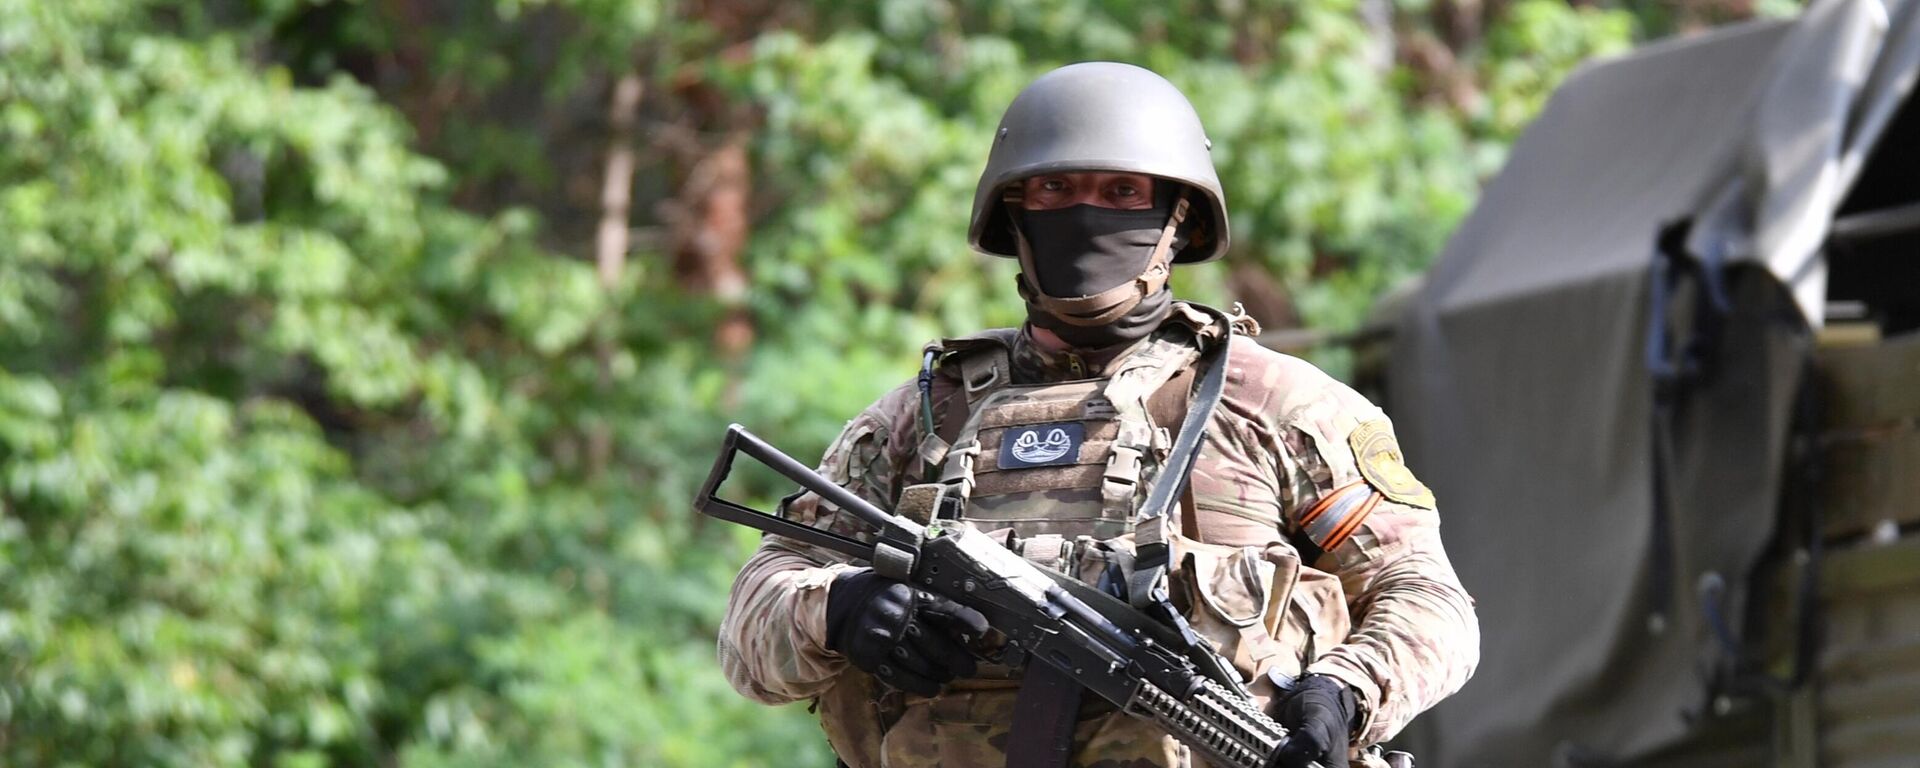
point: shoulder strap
(982, 360)
(1151, 554)
(1146, 587)
(1168, 405)
(968, 367)
(1168, 408)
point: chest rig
(1066, 474)
(1059, 469)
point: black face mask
(1083, 250)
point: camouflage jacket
(1285, 437)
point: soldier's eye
(1053, 185)
(1126, 190)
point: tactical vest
(1058, 469)
(1057, 472)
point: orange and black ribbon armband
(1376, 454)
(1328, 523)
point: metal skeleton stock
(1121, 654)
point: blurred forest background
(358, 360)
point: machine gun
(1147, 668)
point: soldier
(1304, 550)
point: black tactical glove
(911, 639)
(1318, 715)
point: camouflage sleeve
(1415, 639)
(773, 637)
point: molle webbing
(1095, 490)
(1058, 495)
(1127, 422)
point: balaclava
(1096, 276)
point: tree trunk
(709, 234)
(611, 239)
(616, 191)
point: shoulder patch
(1377, 453)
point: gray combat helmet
(1100, 116)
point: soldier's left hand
(1318, 715)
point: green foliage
(320, 446)
(290, 446)
(1543, 41)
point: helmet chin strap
(1113, 303)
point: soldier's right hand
(1319, 712)
(911, 639)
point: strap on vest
(981, 373)
(1120, 481)
(1130, 391)
(957, 474)
(1151, 526)
(1147, 587)
(961, 371)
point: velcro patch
(1042, 445)
(1378, 455)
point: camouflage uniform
(1381, 610)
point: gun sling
(1047, 709)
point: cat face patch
(1042, 445)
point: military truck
(1665, 381)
